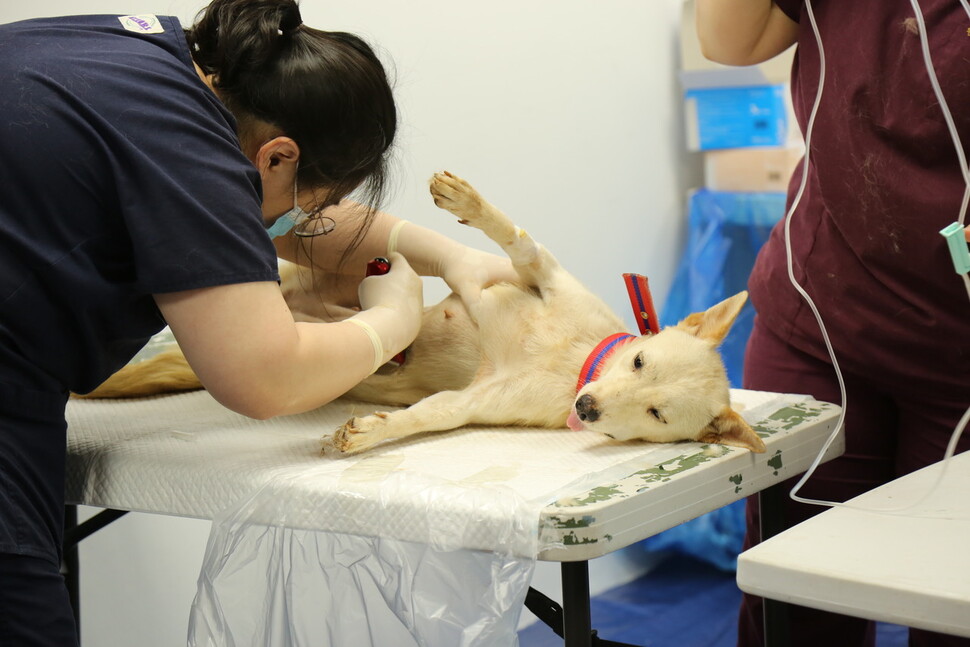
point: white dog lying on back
(516, 359)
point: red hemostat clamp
(376, 267)
(379, 265)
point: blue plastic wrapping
(726, 230)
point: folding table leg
(70, 564)
(771, 502)
(577, 625)
(571, 621)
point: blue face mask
(288, 220)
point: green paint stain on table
(790, 416)
(784, 419)
(572, 540)
(573, 522)
(775, 462)
(674, 466)
(595, 495)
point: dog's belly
(445, 357)
(538, 346)
(530, 345)
(448, 348)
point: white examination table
(186, 455)
(907, 565)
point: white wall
(564, 113)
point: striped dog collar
(594, 363)
(642, 302)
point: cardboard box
(757, 170)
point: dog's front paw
(457, 196)
(327, 446)
(358, 434)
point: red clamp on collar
(642, 302)
(594, 363)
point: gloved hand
(391, 306)
(466, 270)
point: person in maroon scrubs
(884, 178)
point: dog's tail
(167, 372)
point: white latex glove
(391, 308)
(466, 270)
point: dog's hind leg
(534, 264)
(166, 372)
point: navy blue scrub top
(121, 176)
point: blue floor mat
(682, 602)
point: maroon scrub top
(884, 178)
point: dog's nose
(586, 408)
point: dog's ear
(729, 428)
(714, 323)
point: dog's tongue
(574, 423)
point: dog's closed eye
(653, 411)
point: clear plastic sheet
(267, 582)
(276, 587)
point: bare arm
(324, 253)
(428, 252)
(252, 357)
(743, 32)
(335, 276)
(424, 248)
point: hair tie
(290, 21)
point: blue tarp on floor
(683, 602)
(662, 608)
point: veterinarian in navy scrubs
(884, 179)
(141, 165)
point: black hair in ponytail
(326, 90)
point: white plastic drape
(458, 578)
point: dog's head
(670, 386)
